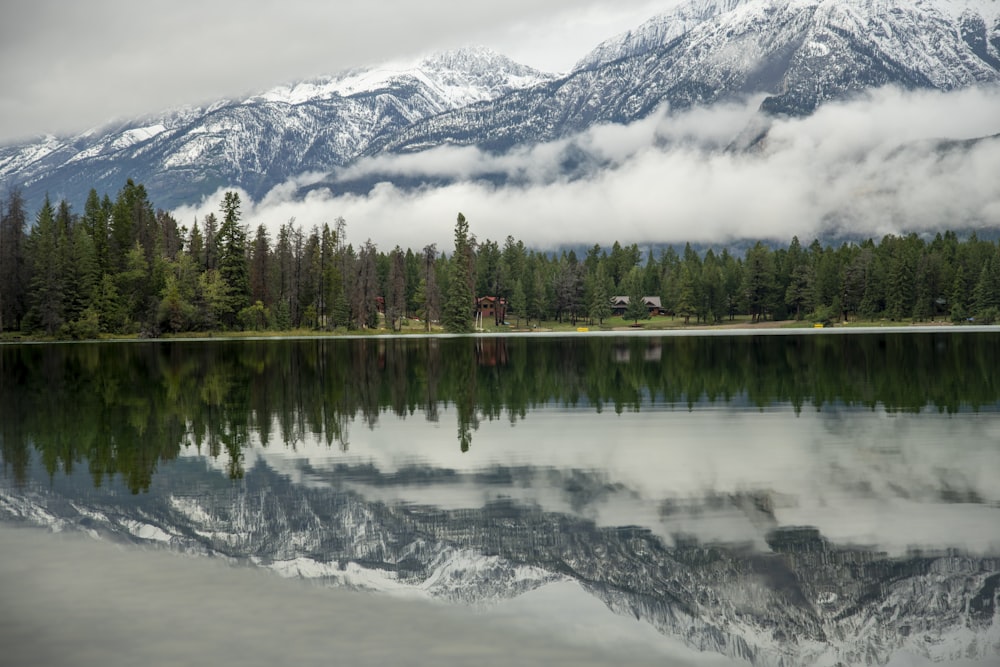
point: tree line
(123, 267)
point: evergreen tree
(14, 275)
(600, 301)
(110, 311)
(96, 217)
(260, 257)
(131, 219)
(210, 257)
(47, 271)
(395, 295)
(81, 272)
(196, 246)
(364, 288)
(233, 268)
(684, 300)
(960, 297)
(636, 309)
(457, 313)
(519, 302)
(986, 294)
(758, 281)
(133, 286)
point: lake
(789, 499)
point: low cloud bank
(886, 162)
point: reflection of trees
(121, 409)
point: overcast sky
(69, 66)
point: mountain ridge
(799, 53)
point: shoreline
(763, 329)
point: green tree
(14, 277)
(395, 295)
(458, 307)
(636, 309)
(47, 271)
(684, 300)
(81, 272)
(519, 302)
(599, 308)
(133, 286)
(96, 218)
(233, 258)
(758, 281)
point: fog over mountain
(890, 161)
(711, 121)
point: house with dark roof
(620, 303)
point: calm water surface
(710, 500)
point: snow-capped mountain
(799, 53)
(795, 54)
(261, 141)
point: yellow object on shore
(818, 325)
(582, 329)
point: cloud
(70, 66)
(870, 166)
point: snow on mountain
(264, 139)
(454, 78)
(695, 15)
(795, 54)
(799, 53)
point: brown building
(491, 307)
(620, 303)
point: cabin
(620, 303)
(491, 307)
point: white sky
(69, 66)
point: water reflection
(791, 500)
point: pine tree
(518, 301)
(636, 309)
(13, 262)
(260, 256)
(758, 281)
(233, 258)
(600, 301)
(458, 306)
(395, 295)
(47, 271)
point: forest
(122, 267)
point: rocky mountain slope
(799, 52)
(796, 53)
(263, 140)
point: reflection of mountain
(802, 601)
(687, 522)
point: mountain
(796, 54)
(263, 140)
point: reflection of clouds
(716, 474)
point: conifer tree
(47, 271)
(599, 308)
(458, 306)
(636, 309)
(233, 258)
(13, 261)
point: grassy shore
(415, 327)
